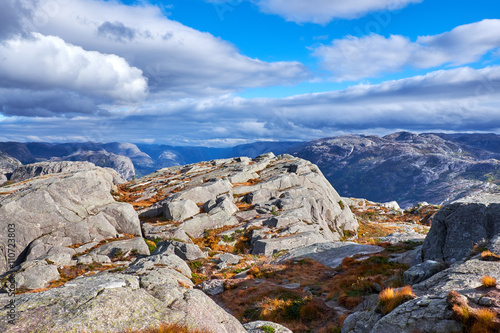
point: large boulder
(76, 207)
(457, 227)
(117, 302)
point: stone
(36, 275)
(123, 248)
(180, 210)
(213, 287)
(76, 206)
(201, 194)
(164, 232)
(196, 226)
(423, 271)
(457, 227)
(229, 259)
(329, 253)
(148, 263)
(255, 327)
(183, 250)
(270, 246)
(45, 168)
(115, 303)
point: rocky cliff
(7, 165)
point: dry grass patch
(389, 298)
(474, 320)
(489, 256)
(488, 281)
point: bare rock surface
(7, 165)
(457, 227)
(284, 196)
(73, 207)
(329, 254)
(115, 302)
(255, 327)
(46, 168)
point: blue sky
(218, 72)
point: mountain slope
(407, 167)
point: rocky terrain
(238, 245)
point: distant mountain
(407, 167)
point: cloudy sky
(225, 72)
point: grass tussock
(489, 256)
(389, 298)
(488, 281)
(474, 320)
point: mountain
(407, 167)
(410, 168)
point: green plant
(194, 265)
(267, 329)
(275, 211)
(341, 204)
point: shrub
(389, 299)
(488, 281)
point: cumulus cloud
(48, 62)
(461, 99)
(177, 60)
(324, 11)
(356, 58)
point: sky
(227, 72)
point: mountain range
(407, 167)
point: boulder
(115, 303)
(143, 265)
(201, 194)
(213, 287)
(180, 210)
(329, 254)
(74, 206)
(457, 227)
(256, 327)
(164, 232)
(123, 248)
(229, 259)
(273, 245)
(36, 275)
(183, 250)
(423, 271)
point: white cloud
(324, 11)
(47, 62)
(356, 58)
(461, 99)
(178, 60)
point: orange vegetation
(489, 256)
(488, 281)
(475, 320)
(389, 299)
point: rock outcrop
(29, 171)
(455, 230)
(458, 227)
(122, 164)
(7, 165)
(282, 202)
(152, 291)
(52, 212)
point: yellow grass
(488, 281)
